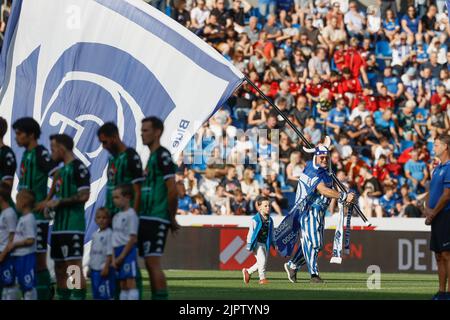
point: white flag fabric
(76, 64)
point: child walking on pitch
(23, 247)
(124, 238)
(259, 240)
(100, 263)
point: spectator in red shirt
(440, 97)
(350, 86)
(340, 55)
(385, 101)
(371, 102)
(265, 46)
(380, 170)
(314, 89)
(355, 62)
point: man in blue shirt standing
(438, 214)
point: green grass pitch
(228, 285)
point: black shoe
(440, 296)
(316, 279)
(292, 274)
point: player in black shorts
(35, 168)
(158, 205)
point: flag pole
(306, 143)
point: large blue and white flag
(76, 64)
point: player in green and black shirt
(158, 205)
(124, 167)
(35, 168)
(8, 164)
(71, 188)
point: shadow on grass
(221, 293)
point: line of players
(141, 206)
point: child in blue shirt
(259, 240)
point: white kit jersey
(101, 247)
(125, 224)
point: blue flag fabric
(93, 61)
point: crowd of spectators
(376, 80)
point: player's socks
(123, 295)
(10, 294)
(78, 294)
(30, 294)
(43, 285)
(118, 290)
(133, 294)
(63, 294)
(160, 295)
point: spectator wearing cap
(412, 25)
(355, 21)
(391, 25)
